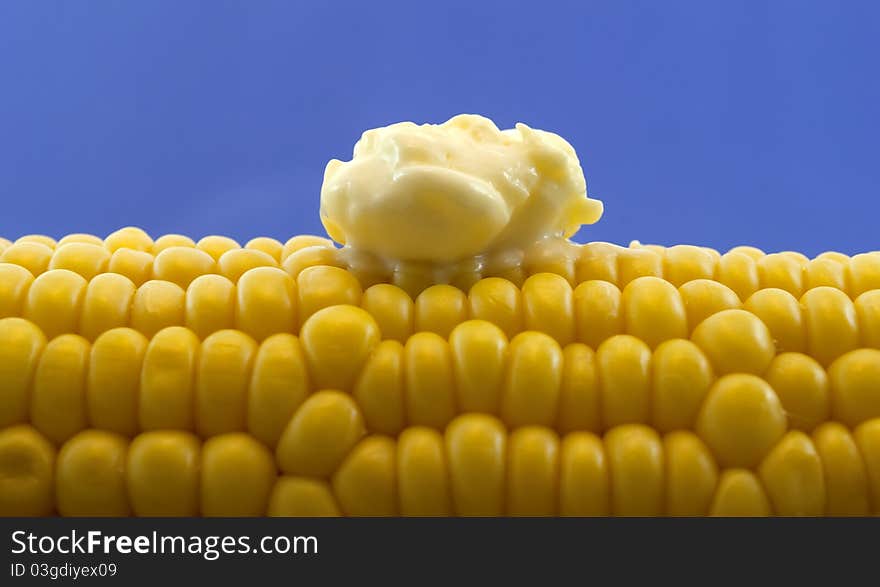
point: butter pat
(447, 193)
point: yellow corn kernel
(704, 297)
(303, 241)
(129, 238)
(479, 356)
(636, 469)
(266, 303)
(533, 472)
(27, 468)
(167, 397)
(801, 385)
(392, 308)
(825, 272)
(781, 271)
(476, 450)
(846, 480)
(234, 263)
(310, 257)
(270, 246)
(680, 379)
(366, 484)
(32, 256)
(868, 312)
(379, 390)
(653, 311)
(831, 323)
(107, 304)
(793, 477)
(319, 436)
(136, 265)
(834, 256)
(738, 271)
(497, 301)
(739, 494)
(210, 305)
(551, 260)
(162, 474)
(181, 265)
(439, 309)
(90, 478)
(684, 263)
(323, 286)
(753, 252)
(579, 391)
(58, 403)
(598, 312)
(584, 486)
(783, 316)
(54, 302)
(168, 241)
(302, 497)
(428, 380)
(597, 261)
(216, 246)
(548, 306)
(635, 263)
(741, 420)
(530, 394)
(85, 259)
(4, 244)
(15, 281)
(867, 437)
(422, 474)
(222, 377)
(114, 379)
(23, 343)
(237, 476)
(337, 342)
(624, 364)
(735, 341)
(863, 273)
(855, 395)
(157, 305)
(279, 385)
(691, 475)
(37, 238)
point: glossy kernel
(392, 308)
(90, 476)
(735, 341)
(27, 465)
(653, 311)
(855, 386)
(636, 466)
(680, 379)
(598, 311)
(428, 380)
(624, 364)
(439, 309)
(548, 306)
(279, 385)
(479, 358)
(476, 451)
(534, 375)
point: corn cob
(169, 377)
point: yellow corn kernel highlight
(831, 323)
(337, 342)
(181, 265)
(303, 241)
(691, 475)
(129, 238)
(90, 476)
(439, 309)
(54, 302)
(279, 385)
(237, 476)
(825, 272)
(846, 480)
(392, 309)
(624, 364)
(635, 263)
(680, 379)
(428, 380)
(32, 256)
(107, 304)
(366, 482)
(167, 395)
(379, 391)
(863, 273)
(310, 257)
(551, 261)
(266, 303)
(738, 271)
(15, 282)
(783, 315)
(479, 357)
(741, 420)
(423, 481)
(497, 301)
(793, 477)
(476, 451)
(27, 469)
(531, 389)
(584, 486)
(23, 343)
(867, 437)
(636, 469)
(210, 305)
(167, 241)
(320, 435)
(781, 271)
(80, 238)
(548, 306)
(597, 261)
(157, 305)
(735, 341)
(868, 312)
(267, 245)
(222, 377)
(684, 263)
(216, 246)
(704, 297)
(114, 380)
(302, 497)
(162, 474)
(598, 312)
(801, 385)
(234, 263)
(85, 259)
(136, 265)
(854, 381)
(579, 390)
(653, 311)
(58, 400)
(533, 472)
(739, 494)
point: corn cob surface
(174, 377)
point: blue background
(715, 123)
